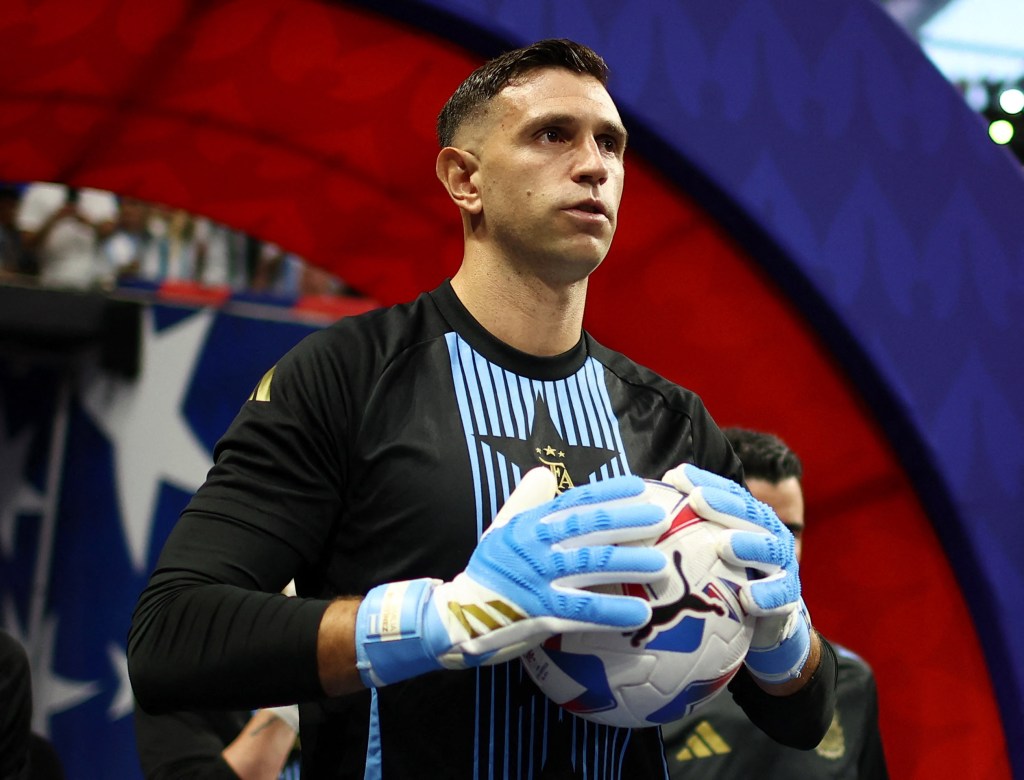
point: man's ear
(455, 168)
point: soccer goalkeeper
(370, 462)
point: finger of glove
(598, 492)
(537, 487)
(602, 524)
(758, 549)
(582, 610)
(736, 509)
(588, 566)
(519, 563)
(595, 611)
(617, 613)
(686, 477)
(500, 656)
(774, 559)
(775, 594)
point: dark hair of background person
(764, 455)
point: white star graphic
(16, 494)
(51, 693)
(144, 416)
(124, 699)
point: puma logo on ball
(664, 614)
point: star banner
(96, 469)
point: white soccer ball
(693, 645)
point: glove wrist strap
(392, 638)
(784, 660)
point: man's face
(550, 153)
(787, 499)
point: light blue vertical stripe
(597, 411)
(602, 760)
(585, 424)
(490, 740)
(519, 742)
(575, 741)
(462, 398)
(590, 409)
(465, 413)
(551, 399)
(476, 730)
(490, 411)
(533, 719)
(527, 395)
(374, 770)
(569, 421)
(492, 401)
(664, 758)
(576, 420)
(606, 418)
(480, 396)
(625, 746)
(499, 390)
(508, 720)
(467, 359)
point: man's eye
(552, 135)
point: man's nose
(591, 164)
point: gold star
(549, 450)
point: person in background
(718, 741)
(64, 226)
(129, 248)
(445, 478)
(15, 708)
(24, 754)
(219, 744)
(15, 258)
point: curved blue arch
(855, 173)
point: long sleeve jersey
(378, 450)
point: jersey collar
(500, 353)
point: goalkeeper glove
(522, 584)
(758, 540)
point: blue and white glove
(758, 540)
(522, 584)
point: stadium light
(1001, 131)
(1011, 100)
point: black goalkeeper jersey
(378, 450)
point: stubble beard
(557, 263)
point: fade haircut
(764, 455)
(472, 96)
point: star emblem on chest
(572, 464)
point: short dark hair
(764, 455)
(494, 75)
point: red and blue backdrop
(817, 236)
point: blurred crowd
(87, 239)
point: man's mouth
(589, 207)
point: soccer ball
(692, 646)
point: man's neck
(522, 310)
